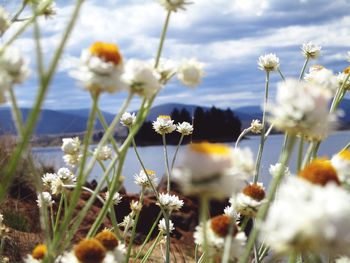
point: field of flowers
(302, 216)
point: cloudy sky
(227, 35)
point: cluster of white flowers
(184, 128)
(71, 150)
(13, 69)
(4, 20)
(170, 202)
(103, 154)
(309, 217)
(269, 62)
(302, 107)
(322, 77)
(174, 5)
(146, 180)
(341, 163)
(217, 230)
(164, 124)
(55, 182)
(116, 197)
(213, 170)
(45, 198)
(128, 119)
(162, 226)
(190, 73)
(311, 50)
(256, 126)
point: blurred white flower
(341, 163)
(142, 180)
(302, 107)
(57, 186)
(190, 73)
(135, 206)
(275, 168)
(142, 78)
(4, 20)
(311, 50)
(174, 5)
(342, 260)
(116, 198)
(128, 220)
(269, 62)
(164, 124)
(162, 226)
(322, 77)
(217, 229)
(47, 179)
(128, 119)
(341, 77)
(66, 175)
(101, 68)
(184, 128)
(72, 159)
(117, 255)
(170, 202)
(103, 154)
(71, 145)
(37, 255)
(256, 126)
(309, 217)
(231, 212)
(45, 198)
(214, 170)
(50, 10)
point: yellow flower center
(345, 154)
(210, 148)
(164, 117)
(254, 191)
(150, 172)
(221, 224)
(107, 239)
(106, 51)
(347, 70)
(39, 252)
(90, 251)
(320, 171)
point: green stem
(162, 39)
(292, 257)
(304, 68)
(271, 195)
(151, 249)
(346, 147)
(166, 159)
(300, 153)
(19, 12)
(16, 113)
(176, 151)
(167, 225)
(203, 214)
(58, 215)
(262, 137)
(228, 242)
(280, 72)
(243, 133)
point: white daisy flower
(142, 78)
(87, 250)
(164, 124)
(103, 154)
(184, 128)
(141, 179)
(269, 62)
(128, 119)
(174, 5)
(302, 107)
(4, 20)
(170, 202)
(101, 68)
(37, 255)
(71, 145)
(322, 77)
(45, 198)
(214, 170)
(162, 226)
(116, 197)
(256, 126)
(66, 175)
(190, 73)
(341, 163)
(311, 50)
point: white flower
(44, 198)
(184, 128)
(256, 126)
(116, 197)
(103, 154)
(4, 20)
(308, 217)
(190, 73)
(71, 145)
(274, 170)
(311, 50)
(341, 77)
(231, 212)
(164, 124)
(128, 220)
(72, 159)
(135, 206)
(341, 163)
(217, 229)
(162, 226)
(214, 170)
(66, 176)
(174, 5)
(30, 259)
(268, 62)
(170, 202)
(142, 180)
(302, 107)
(166, 68)
(57, 186)
(48, 178)
(101, 68)
(342, 260)
(322, 77)
(50, 10)
(1, 218)
(128, 119)
(117, 255)
(142, 78)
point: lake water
(152, 156)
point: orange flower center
(254, 191)
(221, 225)
(210, 148)
(107, 239)
(320, 171)
(90, 251)
(106, 51)
(347, 70)
(345, 154)
(39, 252)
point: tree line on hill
(213, 125)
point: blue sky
(228, 36)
